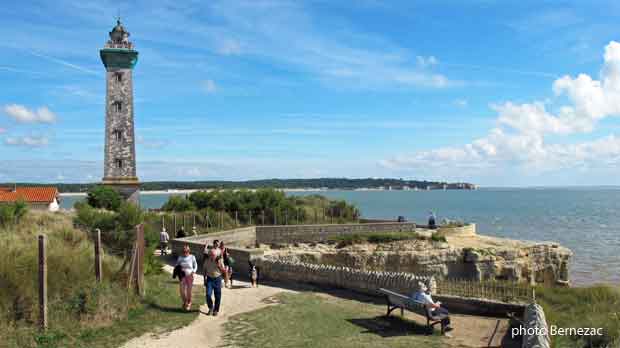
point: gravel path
(207, 331)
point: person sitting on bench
(423, 295)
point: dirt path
(207, 331)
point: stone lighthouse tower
(119, 58)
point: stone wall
(479, 306)
(469, 229)
(341, 277)
(240, 237)
(242, 256)
(533, 318)
(290, 234)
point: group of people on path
(217, 268)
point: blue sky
(488, 92)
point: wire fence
(204, 222)
(32, 306)
(505, 291)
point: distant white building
(37, 198)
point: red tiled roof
(28, 194)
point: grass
(81, 313)
(158, 312)
(595, 306)
(308, 320)
(381, 237)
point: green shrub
(274, 204)
(104, 197)
(7, 214)
(438, 237)
(178, 204)
(373, 238)
(11, 213)
(595, 306)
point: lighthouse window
(118, 135)
(119, 77)
(117, 106)
(119, 163)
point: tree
(104, 197)
(178, 203)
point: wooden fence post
(236, 218)
(98, 255)
(263, 217)
(140, 260)
(174, 233)
(42, 283)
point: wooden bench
(396, 300)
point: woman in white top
(189, 266)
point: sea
(586, 220)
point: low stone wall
(479, 306)
(341, 277)
(239, 237)
(469, 229)
(374, 221)
(533, 321)
(241, 256)
(290, 234)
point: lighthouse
(119, 58)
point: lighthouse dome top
(119, 37)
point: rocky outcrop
(540, 262)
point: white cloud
(27, 141)
(338, 57)
(151, 143)
(209, 86)
(229, 47)
(461, 103)
(22, 114)
(424, 62)
(193, 172)
(520, 138)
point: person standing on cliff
(431, 221)
(213, 269)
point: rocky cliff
(469, 257)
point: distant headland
(287, 184)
